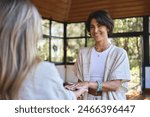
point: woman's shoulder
(41, 83)
(45, 72)
(118, 50)
(46, 68)
(85, 49)
(46, 64)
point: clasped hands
(79, 88)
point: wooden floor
(138, 96)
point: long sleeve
(117, 68)
(45, 83)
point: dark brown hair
(102, 17)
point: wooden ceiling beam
(78, 10)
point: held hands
(75, 86)
(78, 88)
(80, 91)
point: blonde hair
(20, 29)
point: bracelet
(99, 87)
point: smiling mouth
(97, 35)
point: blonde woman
(22, 74)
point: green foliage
(133, 47)
(57, 29)
(135, 75)
(43, 49)
(73, 48)
(75, 30)
(128, 25)
(57, 52)
(135, 78)
(45, 27)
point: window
(57, 52)
(75, 40)
(43, 49)
(43, 44)
(73, 47)
(76, 30)
(90, 42)
(57, 29)
(52, 46)
(57, 43)
(45, 27)
(128, 25)
(133, 47)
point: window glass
(88, 34)
(133, 47)
(57, 50)
(45, 26)
(75, 30)
(73, 47)
(57, 29)
(134, 24)
(90, 42)
(43, 48)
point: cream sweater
(117, 67)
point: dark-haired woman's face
(98, 32)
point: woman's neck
(100, 47)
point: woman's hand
(80, 91)
(70, 86)
(75, 86)
(78, 88)
(83, 84)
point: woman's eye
(99, 25)
(101, 32)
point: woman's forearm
(111, 85)
(106, 86)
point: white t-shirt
(98, 60)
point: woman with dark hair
(103, 68)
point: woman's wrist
(88, 84)
(92, 85)
(99, 86)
